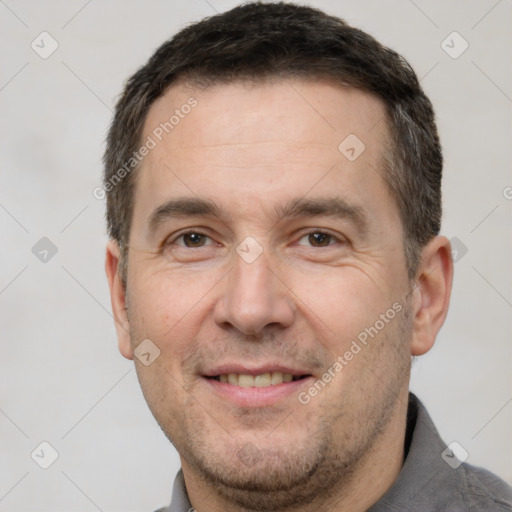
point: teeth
(259, 381)
(262, 381)
(277, 378)
(245, 381)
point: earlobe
(431, 296)
(118, 298)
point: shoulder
(485, 491)
(429, 483)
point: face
(267, 265)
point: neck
(375, 474)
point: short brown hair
(280, 40)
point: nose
(254, 299)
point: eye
(191, 246)
(317, 239)
(192, 239)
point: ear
(118, 298)
(431, 294)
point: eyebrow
(319, 207)
(325, 207)
(183, 207)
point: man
(273, 200)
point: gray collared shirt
(431, 479)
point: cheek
(341, 301)
(168, 309)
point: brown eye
(319, 239)
(193, 239)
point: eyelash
(193, 232)
(332, 237)
(181, 235)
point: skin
(250, 149)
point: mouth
(262, 380)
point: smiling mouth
(263, 380)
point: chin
(273, 480)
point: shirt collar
(425, 479)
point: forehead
(241, 109)
(264, 141)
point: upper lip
(225, 369)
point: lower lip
(257, 397)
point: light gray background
(61, 377)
